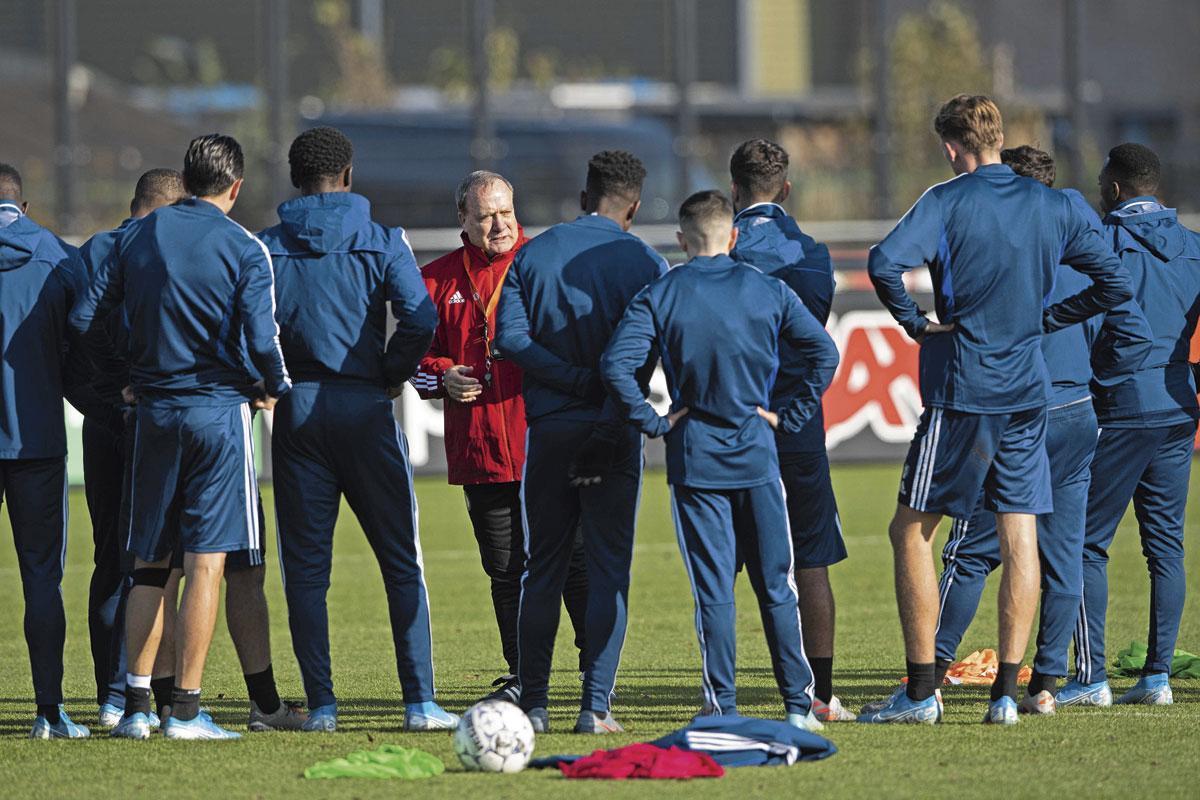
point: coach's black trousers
(103, 474)
(495, 511)
(35, 490)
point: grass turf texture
(1097, 752)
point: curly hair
(615, 173)
(1031, 162)
(1134, 166)
(319, 154)
(157, 187)
(759, 167)
(10, 183)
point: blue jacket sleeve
(416, 318)
(817, 360)
(812, 280)
(78, 373)
(256, 306)
(1122, 344)
(90, 313)
(1086, 253)
(628, 351)
(912, 243)
(515, 341)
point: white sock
(137, 681)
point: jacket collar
(721, 261)
(761, 210)
(594, 220)
(201, 207)
(480, 259)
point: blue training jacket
(1163, 261)
(992, 240)
(718, 324)
(335, 272)
(749, 742)
(770, 239)
(1073, 358)
(198, 294)
(562, 299)
(107, 387)
(39, 275)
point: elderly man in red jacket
(483, 409)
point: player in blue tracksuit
(993, 241)
(563, 296)
(770, 239)
(104, 468)
(973, 549)
(197, 291)
(1147, 429)
(39, 275)
(717, 324)
(336, 433)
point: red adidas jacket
(485, 439)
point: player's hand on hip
(933, 328)
(395, 391)
(770, 416)
(675, 416)
(460, 385)
(128, 396)
(264, 403)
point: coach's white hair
(478, 179)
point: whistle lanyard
(486, 311)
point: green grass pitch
(1088, 753)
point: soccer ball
(494, 736)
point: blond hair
(971, 120)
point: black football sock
(1006, 681)
(185, 704)
(920, 681)
(50, 712)
(161, 687)
(940, 668)
(1042, 683)
(822, 669)
(261, 686)
(137, 700)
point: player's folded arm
(416, 320)
(89, 314)
(1122, 344)
(515, 342)
(256, 305)
(628, 351)
(1086, 253)
(817, 360)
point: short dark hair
(11, 187)
(973, 121)
(1134, 166)
(704, 208)
(212, 164)
(319, 154)
(1031, 162)
(759, 167)
(158, 187)
(615, 173)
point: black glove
(595, 457)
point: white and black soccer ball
(494, 736)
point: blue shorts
(955, 456)
(238, 560)
(192, 485)
(812, 510)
